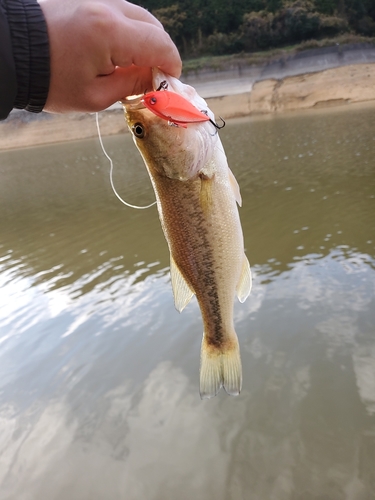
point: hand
(102, 51)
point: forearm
(8, 81)
(24, 57)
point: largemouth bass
(196, 195)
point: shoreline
(339, 86)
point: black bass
(196, 195)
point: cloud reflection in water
(99, 373)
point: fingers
(123, 40)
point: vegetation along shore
(216, 27)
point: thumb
(123, 82)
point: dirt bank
(337, 86)
(332, 87)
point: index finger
(144, 44)
(139, 14)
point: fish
(197, 196)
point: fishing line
(111, 171)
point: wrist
(31, 53)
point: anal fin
(181, 291)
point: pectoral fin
(244, 284)
(181, 290)
(206, 192)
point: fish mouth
(133, 102)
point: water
(99, 374)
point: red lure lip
(173, 107)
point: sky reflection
(99, 374)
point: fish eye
(138, 130)
(153, 100)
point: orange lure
(173, 107)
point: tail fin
(220, 367)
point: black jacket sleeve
(24, 57)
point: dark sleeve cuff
(30, 52)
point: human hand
(102, 51)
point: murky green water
(98, 372)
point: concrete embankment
(342, 85)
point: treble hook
(216, 125)
(163, 86)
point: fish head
(170, 150)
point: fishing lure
(175, 108)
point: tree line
(215, 27)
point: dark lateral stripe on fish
(214, 338)
(192, 211)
